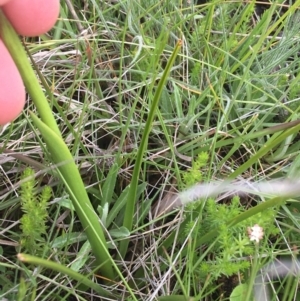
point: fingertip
(32, 17)
(2, 2)
(12, 90)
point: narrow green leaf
(22, 290)
(68, 239)
(82, 279)
(71, 177)
(119, 233)
(121, 202)
(128, 218)
(109, 184)
(81, 257)
(265, 149)
(175, 298)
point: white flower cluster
(255, 233)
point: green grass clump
(194, 174)
(232, 248)
(35, 213)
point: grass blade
(82, 279)
(72, 179)
(129, 211)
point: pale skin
(29, 18)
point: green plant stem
(82, 279)
(17, 52)
(70, 175)
(253, 273)
(129, 211)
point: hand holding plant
(29, 18)
(19, 64)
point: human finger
(12, 91)
(3, 2)
(32, 17)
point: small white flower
(255, 233)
